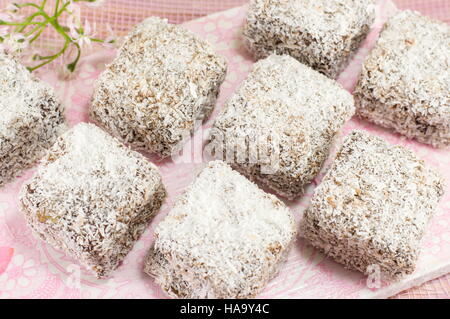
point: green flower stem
(63, 8)
(97, 40)
(36, 35)
(40, 57)
(32, 29)
(56, 7)
(50, 58)
(25, 24)
(29, 4)
(73, 65)
(29, 20)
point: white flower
(110, 41)
(4, 31)
(5, 17)
(74, 12)
(73, 9)
(11, 13)
(12, 7)
(14, 42)
(19, 273)
(94, 3)
(83, 34)
(73, 23)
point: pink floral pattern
(6, 254)
(306, 273)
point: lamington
(323, 34)
(92, 198)
(405, 81)
(31, 118)
(372, 208)
(278, 127)
(224, 238)
(162, 85)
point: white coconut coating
(92, 197)
(322, 34)
(31, 118)
(373, 206)
(224, 238)
(405, 81)
(279, 125)
(162, 82)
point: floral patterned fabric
(29, 268)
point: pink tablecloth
(30, 268)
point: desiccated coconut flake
(92, 197)
(224, 238)
(322, 34)
(405, 81)
(163, 80)
(373, 206)
(31, 118)
(288, 123)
